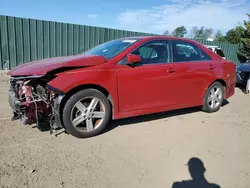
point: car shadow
(225, 102)
(42, 126)
(45, 126)
(197, 172)
(146, 118)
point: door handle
(171, 70)
(211, 66)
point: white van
(217, 50)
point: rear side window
(204, 56)
(186, 51)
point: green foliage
(179, 31)
(207, 33)
(233, 36)
(201, 33)
(166, 32)
(219, 36)
(244, 50)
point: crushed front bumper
(18, 108)
(14, 103)
(56, 112)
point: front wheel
(213, 98)
(86, 113)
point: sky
(150, 16)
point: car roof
(154, 37)
(217, 47)
(211, 46)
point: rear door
(196, 71)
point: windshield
(110, 49)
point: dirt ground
(147, 152)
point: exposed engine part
(33, 103)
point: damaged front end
(33, 101)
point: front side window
(110, 49)
(153, 52)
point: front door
(150, 83)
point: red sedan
(118, 79)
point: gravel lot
(148, 152)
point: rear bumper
(230, 85)
(230, 93)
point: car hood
(245, 67)
(42, 67)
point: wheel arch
(223, 83)
(88, 86)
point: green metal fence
(23, 40)
(230, 50)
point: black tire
(206, 107)
(66, 113)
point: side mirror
(131, 59)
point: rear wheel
(86, 113)
(213, 98)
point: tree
(166, 32)
(208, 33)
(219, 36)
(179, 31)
(201, 33)
(233, 36)
(244, 50)
(193, 32)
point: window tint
(204, 56)
(185, 51)
(220, 52)
(154, 52)
(147, 52)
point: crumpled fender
(105, 78)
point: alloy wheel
(215, 97)
(88, 114)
